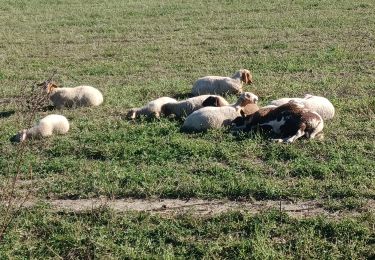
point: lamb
(46, 127)
(222, 85)
(188, 106)
(289, 122)
(151, 109)
(214, 101)
(318, 104)
(68, 97)
(216, 117)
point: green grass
(104, 234)
(135, 51)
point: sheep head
(246, 77)
(20, 136)
(247, 98)
(132, 113)
(166, 109)
(48, 86)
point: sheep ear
(249, 78)
(244, 77)
(217, 102)
(211, 101)
(50, 86)
(23, 136)
(165, 110)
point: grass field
(135, 51)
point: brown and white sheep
(288, 122)
(321, 105)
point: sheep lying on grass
(151, 109)
(222, 85)
(214, 101)
(51, 124)
(318, 104)
(188, 106)
(288, 122)
(216, 117)
(68, 97)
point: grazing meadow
(137, 51)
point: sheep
(214, 101)
(318, 104)
(289, 122)
(44, 128)
(222, 85)
(151, 109)
(68, 97)
(188, 106)
(216, 117)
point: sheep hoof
(320, 136)
(277, 140)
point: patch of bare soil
(301, 209)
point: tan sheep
(222, 85)
(49, 125)
(151, 109)
(287, 122)
(80, 96)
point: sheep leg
(317, 132)
(157, 115)
(291, 139)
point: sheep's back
(210, 117)
(78, 96)
(282, 101)
(155, 105)
(53, 124)
(88, 96)
(216, 85)
(320, 105)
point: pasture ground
(135, 51)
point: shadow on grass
(48, 108)
(6, 114)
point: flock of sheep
(285, 119)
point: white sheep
(69, 97)
(216, 117)
(321, 105)
(151, 109)
(188, 106)
(47, 126)
(288, 122)
(222, 85)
